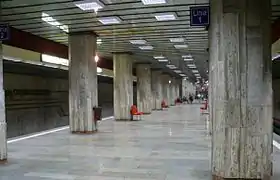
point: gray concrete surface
(167, 145)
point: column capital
(83, 33)
(123, 52)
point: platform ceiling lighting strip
(195, 71)
(186, 56)
(89, 5)
(109, 20)
(60, 61)
(188, 59)
(99, 41)
(165, 17)
(176, 40)
(50, 20)
(150, 2)
(138, 41)
(183, 75)
(146, 47)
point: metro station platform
(167, 145)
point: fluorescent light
(170, 65)
(87, 5)
(162, 60)
(149, 2)
(195, 71)
(192, 67)
(186, 56)
(165, 17)
(183, 75)
(109, 20)
(146, 47)
(178, 71)
(159, 57)
(99, 41)
(50, 20)
(197, 74)
(188, 59)
(180, 46)
(177, 40)
(139, 41)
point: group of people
(189, 100)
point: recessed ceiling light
(149, 2)
(50, 20)
(109, 20)
(165, 17)
(176, 40)
(178, 71)
(183, 75)
(195, 71)
(146, 47)
(186, 56)
(159, 57)
(138, 41)
(99, 41)
(87, 5)
(180, 46)
(190, 59)
(192, 67)
(162, 60)
(197, 74)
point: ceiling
(137, 22)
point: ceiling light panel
(150, 2)
(165, 17)
(177, 40)
(186, 56)
(159, 57)
(50, 20)
(183, 75)
(89, 5)
(139, 41)
(146, 47)
(178, 71)
(180, 46)
(109, 20)
(188, 59)
(162, 60)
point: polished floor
(167, 145)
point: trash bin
(97, 113)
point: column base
(3, 161)
(123, 120)
(84, 132)
(214, 177)
(147, 113)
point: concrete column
(156, 90)
(3, 125)
(165, 87)
(172, 92)
(123, 86)
(82, 82)
(144, 88)
(241, 89)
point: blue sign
(4, 32)
(200, 15)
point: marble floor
(167, 145)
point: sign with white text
(200, 15)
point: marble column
(3, 125)
(241, 89)
(156, 90)
(172, 92)
(165, 88)
(82, 82)
(144, 88)
(123, 86)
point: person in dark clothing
(191, 99)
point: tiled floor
(167, 145)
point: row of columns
(152, 87)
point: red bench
(134, 112)
(163, 104)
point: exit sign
(4, 32)
(200, 15)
